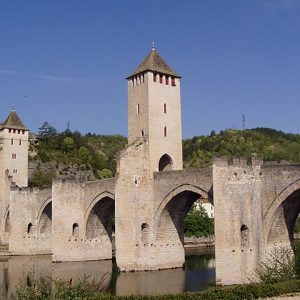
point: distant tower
(14, 149)
(154, 111)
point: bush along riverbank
(278, 275)
(92, 290)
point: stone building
(14, 149)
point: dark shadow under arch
(45, 222)
(281, 231)
(170, 225)
(165, 163)
(7, 223)
(100, 221)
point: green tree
(69, 144)
(46, 130)
(84, 155)
(197, 223)
(42, 179)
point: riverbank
(201, 241)
(85, 290)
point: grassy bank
(86, 290)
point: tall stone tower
(14, 150)
(154, 144)
(154, 111)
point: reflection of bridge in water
(198, 275)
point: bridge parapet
(239, 161)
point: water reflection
(199, 273)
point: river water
(198, 274)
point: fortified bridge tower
(154, 144)
(154, 112)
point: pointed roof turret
(13, 121)
(154, 62)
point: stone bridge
(256, 206)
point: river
(198, 274)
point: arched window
(29, 228)
(165, 163)
(145, 232)
(75, 230)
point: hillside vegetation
(270, 144)
(68, 153)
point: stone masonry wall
(25, 210)
(72, 203)
(238, 223)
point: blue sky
(70, 59)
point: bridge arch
(169, 217)
(45, 217)
(281, 215)
(99, 216)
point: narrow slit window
(165, 131)
(138, 108)
(165, 108)
(12, 141)
(20, 142)
(167, 80)
(143, 132)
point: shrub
(105, 173)
(60, 289)
(280, 265)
